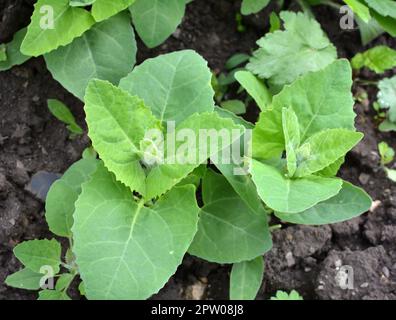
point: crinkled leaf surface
(246, 278)
(253, 6)
(174, 85)
(104, 9)
(59, 205)
(124, 249)
(291, 195)
(378, 59)
(35, 254)
(107, 52)
(68, 23)
(228, 230)
(387, 96)
(24, 279)
(156, 20)
(283, 56)
(117, 122)
(14, 55)
(349, 203)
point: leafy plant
(62, 113)
(378, 59)
(387, 100)
(387, 155)
(282, 295)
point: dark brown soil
(303, 258)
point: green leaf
(246, 279)
(13, 54)
(387, 23)
(235, 106)
(81, 3)
(324, 148)
(369, 31)
(332, 169)
(107, 52)
(386, 152)
(59, 205)
(291, 131)
(230, 115)
(387, 126)
(35, 254)
(117, 123)
(360, 9)
(190, 151)
(156, 20)
(253, 6)
(236, 60)
(387, 96)
(284, 56)
(124, 249)
(62, 113)
(255, 88)
(64, 281)
(281, 295)
(49, 21)
(391, 174)
(349, 203)
(378, 59)
(24, 279)
(53, 295)
(291, 195)
(386, 8)
(174, 85)
(3, 52)
(275, 22)
(228, 230)
(104, 9)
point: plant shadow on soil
(303, 258)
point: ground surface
(303, 258)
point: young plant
(282, 295)
(387, 100)
(62, 113)
(387, 155)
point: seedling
(62, 113)
(387, 155)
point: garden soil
(304, 258)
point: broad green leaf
(198, 138)
(369, 31)
(156, 20)
(282, 295)
(349, 203)
(49, 23)
(124, 249)
(324, 148)
(387, 96)
(283, 56)
(246, 278)
(174, 85)
(24, 279)
(228, 230)
(291, 132)
(386, 152)
(255, 88)
(64, 281)
(291, 195)
(253, 6)
(387, 23)
(386, 8)
(53, 295)
(107, 52)
(35, 254)
(378, 59)
(13, 53)
(59, 205)
(104, 9)
(60, 111)
(81, 3)
(391, 174)
(117, 123)
(360, 9)
(235, 106)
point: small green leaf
(387, 126)
(378, 59)
(124, 249)
(3, 53)
(391, 174)
(24, 279)
(53, 295)
(386, 152)
(349, 203)
(81, 3)
(107, 51)
(81, 288)
(236, 60)
(228, 230)
(281, 295)
(64, 281)
(386, 8)
(14, 55)
(253, 6)
(360, 9)
(174, 85)
(35, 254)
(62, 113)
(275, 22)
(104, 9)
(291, 195)
(255, 88)
(369, 31)
(387, 96)
(291, 131)
(324, 148)
(303, 39)
(49, 21)
(235, 106)
(156, 20)
(387, 23)
(246, 279)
